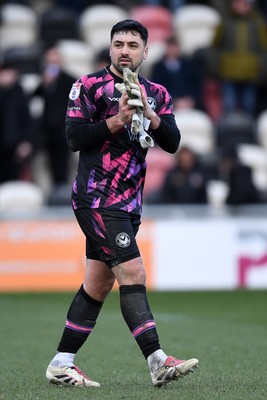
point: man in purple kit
(107, 202)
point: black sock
(136, 312)
(81, 319)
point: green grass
(227, 331)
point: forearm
(167, 134)
(155, 122)
(114, 124)
(81, 134)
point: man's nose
(124, 49)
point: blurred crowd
(210, 55)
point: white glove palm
(132, 89)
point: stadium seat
(18, 26)
(20, 196)
(234, 128)
(212, 97)
(26, 59)
(77, 57)
(197, 131)
(29, 82)
(217, 192)
(57, 24)
(96, 21)
(261, 129)
(158, 164)
(157, 19)
(255, 157)
(194, 26)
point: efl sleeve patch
(75, 91)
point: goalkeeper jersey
(112, 168)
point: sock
(136, 313)
(81, 319)
(63, 360)
(156, 360)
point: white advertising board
(210, 254)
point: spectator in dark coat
(186, 182)
(54, 90)
(15, 126)
(180, 75)
(239, 178)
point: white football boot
(68, 376)
(173, 369)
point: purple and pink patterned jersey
(112, 174)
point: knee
(138, 277)
(130, 273)
(99, 290)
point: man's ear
(145, 53)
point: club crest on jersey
(123, 239)
(152, 102)
(75, 91)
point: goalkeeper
(109, 112)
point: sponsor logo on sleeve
(75, 91)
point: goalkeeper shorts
(110, 235)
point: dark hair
(130, 25)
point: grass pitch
(227, 331)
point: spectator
(54, 90)
(220, 5)
(15, 126)
(261, 98)
(172, 5)
(77, 6)
(240, 42)
(263, 7)
(103, 58)
(239, 178)
(180, 75)
(185, 183)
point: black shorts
(110, 235)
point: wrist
(154, 122)
(114, 124)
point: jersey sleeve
(167, 135)
(81, 100)
(166, 106)
(158, 97)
